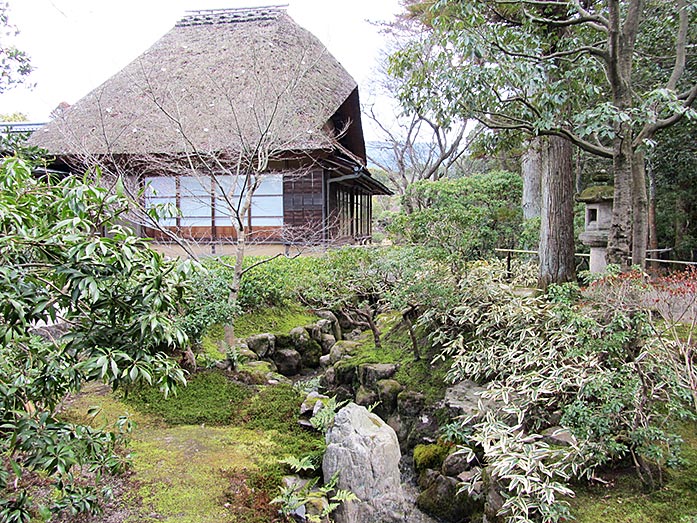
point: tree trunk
(620, 237)
(640, 205)
(531, 167)
(653, 230)
(623, 26)
(557, 229)
(236, 281)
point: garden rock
(366, 397)
(314, 332)
(310, 405)
(466, 477)
(336, 327)
(423, 431)
(287, 361)
(343, 393)
(246, 354)
(494, 500)
(325, 326)
(258, 372)
(364, 450)
(328, 380)
(324, 362)
(370, 373)
(410, 403)
(341, 349)
(310, 351)
(326, 341)
(316, 506)
(559, 436)
(262, 345)
(465, 400)
(344, 373)
(388, 390)
(455, 464)
(440, 498)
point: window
(195, 201)
(204, 202)
(160, 192)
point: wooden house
(230, 100)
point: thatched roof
(219, 81)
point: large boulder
(370, 373)
(262, 345)
(440, 498)
(288, 361)
(364, 451)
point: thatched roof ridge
(221, 81)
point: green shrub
(595, 363)
(465, 218)
(210, 397)
(207, 302)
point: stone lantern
(598, 201)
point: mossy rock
(366, 397)
(430, 456)
(388, 390)
(257, 371)
(310, 353)
(440, 498)
(284, 341)
(345, 372)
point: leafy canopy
(80, 298)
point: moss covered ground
(276, 320)
(424, 375)
(203, 460)
(623, 499)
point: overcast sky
(75, 45)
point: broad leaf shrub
(207, 303)
(463, 219)
(587, 362)
(64, 258)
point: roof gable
(219, 81)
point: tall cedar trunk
(640, 205)
(531, 167)
(653, 231)
(557, 213)
(680, 226)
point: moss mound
(210, 397)
(430, 456)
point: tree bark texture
(622, 33)
(531, 167)
(620, 237)
(556, 250)
(640, 208)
